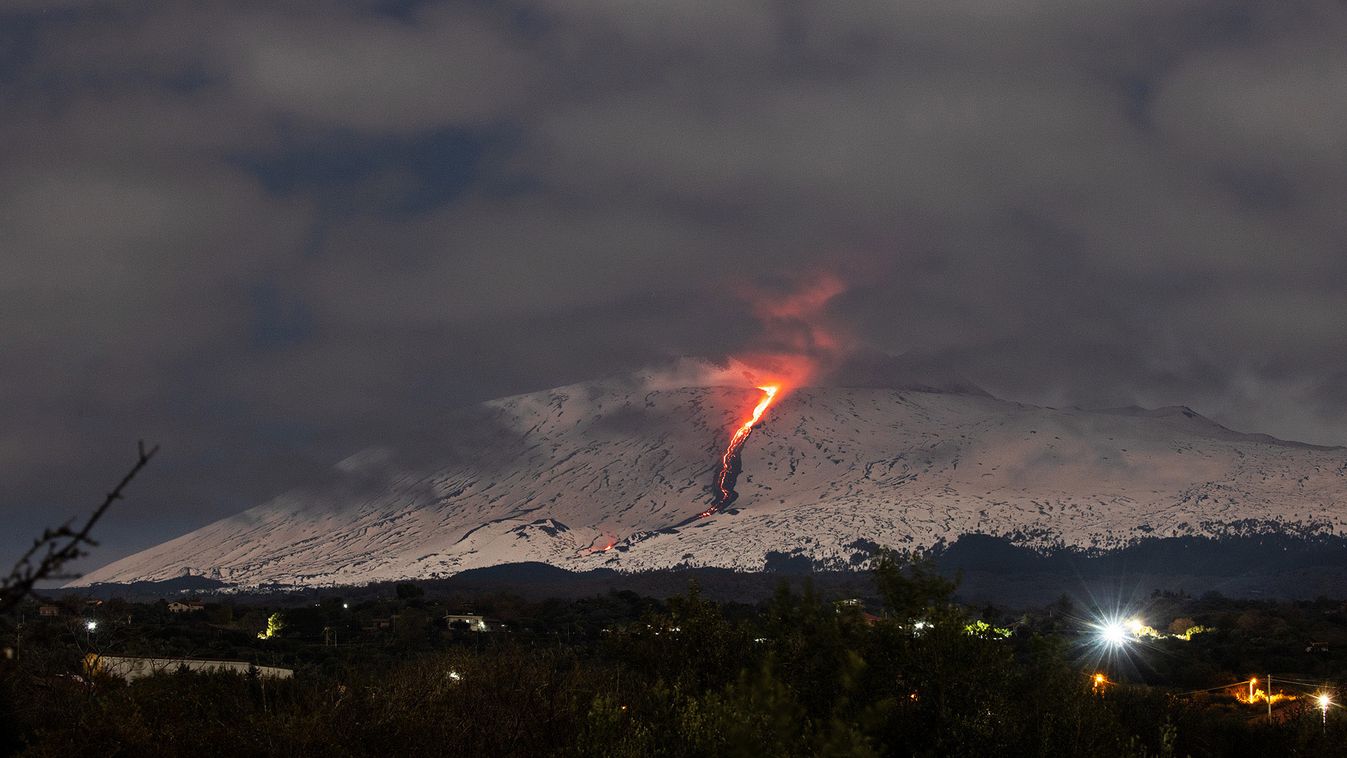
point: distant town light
(455, 675)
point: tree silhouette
(56, 548)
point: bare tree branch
(57, 547)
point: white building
(135, 668)
(475, 623)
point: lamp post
(90, 627)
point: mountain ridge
(611, 474)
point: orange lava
(592, 549)
(737, 441)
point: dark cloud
(268, 235)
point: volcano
(614, 474)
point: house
(380, 622)
(49, 610)
(468, 622)
(869, 618)
(177, 606)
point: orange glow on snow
(737, 441)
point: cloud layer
(266, 235)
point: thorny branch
(57, 547)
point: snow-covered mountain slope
(560, 475)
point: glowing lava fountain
(729, 460)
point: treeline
(914, 674)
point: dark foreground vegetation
(620, 674)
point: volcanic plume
(796, 342)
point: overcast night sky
(268, 234)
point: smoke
(798, 344)
(795, 343)
(696, 372)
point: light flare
(737, 440)
(1113, 634)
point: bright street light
(1113, 634)
(91, 625)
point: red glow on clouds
(797, 340)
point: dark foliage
(622, 675)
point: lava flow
(729, 461)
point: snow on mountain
(613, 474)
